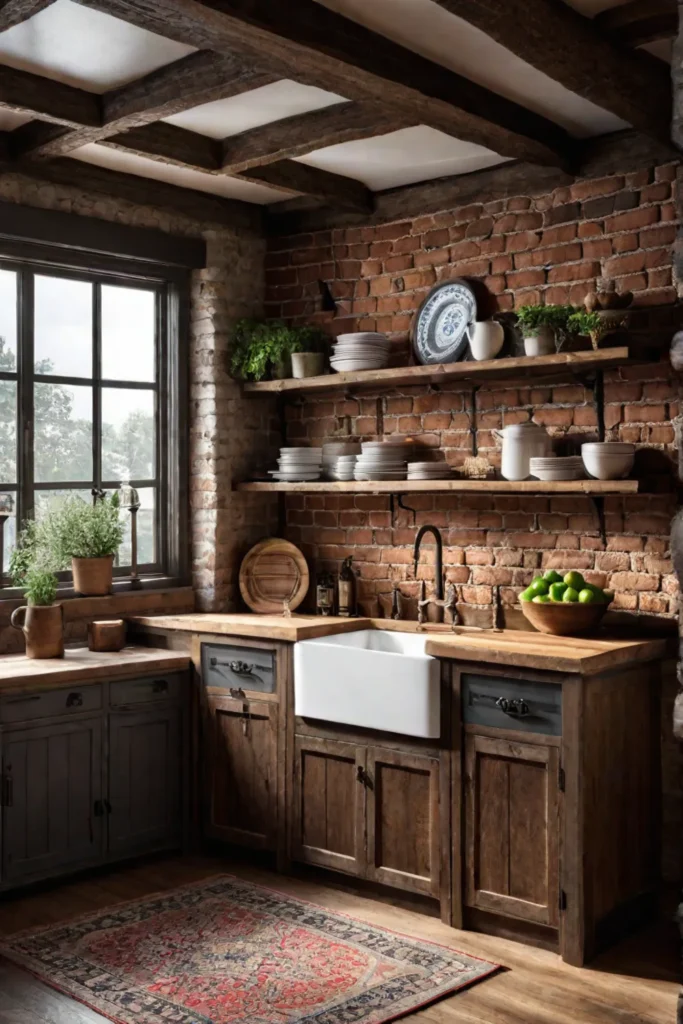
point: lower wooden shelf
(590, 487)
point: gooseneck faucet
(428, 528)
(450, 604)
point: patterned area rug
(224, 951)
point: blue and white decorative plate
(439, 331)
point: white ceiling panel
(82, 47)
(253, 109)
(428, 29)
(401, 158)
(9, 120)
(216, 184)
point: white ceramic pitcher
(486, 338)
(521, 443)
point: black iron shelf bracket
(599, 507)
(598, 387)
(398, 500)
(473, 419)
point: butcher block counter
(81, 666)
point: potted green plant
(308, 351)
(596, 325)
(265, 347)
(543, 328)
(87, 535)
(40, 619)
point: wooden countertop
(265, 627)
(582, 656)
(81, 665)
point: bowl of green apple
(564, 605)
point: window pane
(63, 326)
(47, 500)
(63, 432)
(128, 334)
(8, 432)
(146, 540)
(9, 540)
(8, 320)
(128, 434)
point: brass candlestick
(130, 499)
(6, 506)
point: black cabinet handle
(107, 806)
(516, 708)
(74, 700)
(363, 777)
(160, 686)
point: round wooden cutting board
(273, 575)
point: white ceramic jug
(486, 338)
(521, 443)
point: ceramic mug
(486, 338)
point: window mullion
(25, 411)
(97, 386)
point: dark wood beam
(47, 99)
(13, 12)
(553, 38)
(199, 78)
(325, 49)
(168, 144)
(616, 153)
(304, 133)
(640, 21)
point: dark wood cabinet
(53, 809)
(241, 771)
(145, 764)
(512, 830)
(329, 806)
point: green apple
(538, 586)
(541, 599)
(551, 576)
(587, 596)
(608, 596)
(557, 590)
(570, 596)
(527, 595)
(575, 581)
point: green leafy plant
(260, 345)
(40, 586)
(532, 319)
(583, 322)
(596, 325)
(80, 529)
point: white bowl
(604, 466)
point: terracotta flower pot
(43, 629)
(92, 576)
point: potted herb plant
(543, 328)
(40, 619)
(266, 347)
(87, 535)
(308, 355)
(596, 325)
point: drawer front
(250, 669)
(69, 700)
(512, 704)
(145, 691)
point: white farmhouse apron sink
(371, 678)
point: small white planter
(307, 364)
(541, 344)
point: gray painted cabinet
(90, 776)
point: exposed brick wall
(226, 432)
(549, 249)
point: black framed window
(90, 398)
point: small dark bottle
(324, 594)
(346, 590)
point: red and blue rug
(225, 951)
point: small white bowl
(607, 466)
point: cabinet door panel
(329, 805)
(145, 762)
(512, 829)
(404, 830)
(242, 771)
(52, 817)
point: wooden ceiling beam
(13, 12)
(53, 101)
(640, 21)
(323, 48)
(304, 133)
(553, 38)
(198, 78)
(336, 189)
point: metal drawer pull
(74, 700)
(516, 708)
(237, 693)
(237, 668)
(160, 686)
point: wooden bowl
(564, 619)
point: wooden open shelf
(596, 488)
(442, 373)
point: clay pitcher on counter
(43, 629)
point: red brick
(625, 243)
(664, 235)
(397, 263)
(370, 268)
(645, 413)
(465, 250)
(554, 255)
(431, 257)
(480, 228)
(656, 297)
(633, 220)
(522, 241)
(667, 172)
(518, 203)
(558, 235)
(573, 272)
(589, 228)
(597, 249)
(495, 285)
(656, 193)
(436, 239)
(596, 187)
(525, 278)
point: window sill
(175, 595)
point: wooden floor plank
(634, 983)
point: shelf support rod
(473, 419)
(599, 402)
(400, 502)
(599, 507)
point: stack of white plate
(362, 351)
(429, 470)
(334, 450)
(343, 468)
(381, 460)
(298, 464)
(555, 467)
